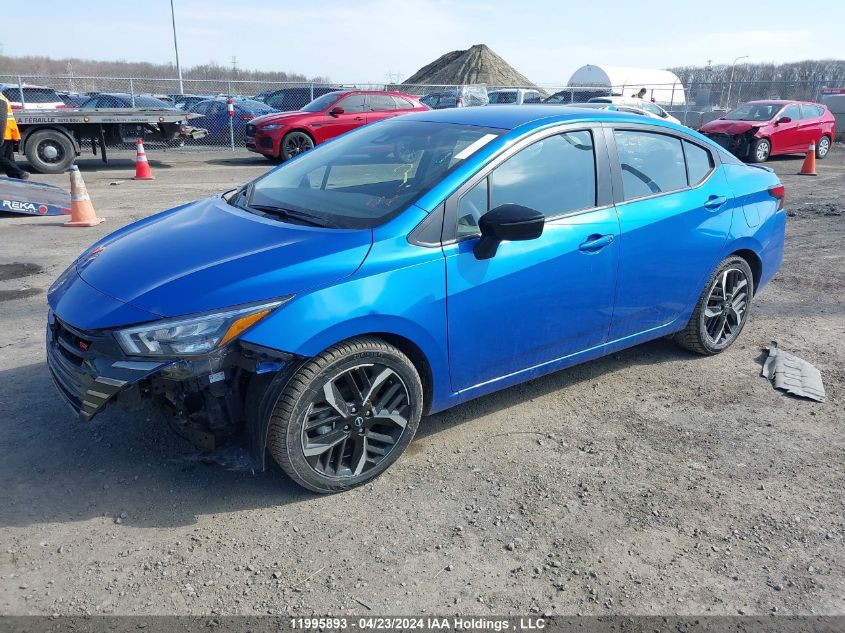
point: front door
(540, 300)
(675, 216)
(787, 136)
(354, 115)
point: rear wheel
(822, 147)
(722, 309)
(295, 143)
(346, 415)
(760, 150)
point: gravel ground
(648, 482)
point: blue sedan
(315, 314)
(214, 116)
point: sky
(377, 40)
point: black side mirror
(783, 119)
(336, 111)
(507, 223)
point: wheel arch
(418, 359)
(754, 262)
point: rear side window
(651, 163)
(699, 163)
(810, 111)
(403, 104)
(552, 176)
(380, 102)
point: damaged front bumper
(207, 396)
(88, 369)
(737, 144)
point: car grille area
(250, 129)
(72, 357)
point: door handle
(359, 118)
(595, 243)
(714, 202)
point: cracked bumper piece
(86, 374)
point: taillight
(246, 117)
(61, 106)
(778, 192)
(17, 107)
(459, 103)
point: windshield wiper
(298, 216)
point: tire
(49, 151)
(700, 333)
(823, 147)
(363, 438)
(295, 143)
(760, 150)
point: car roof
(507, 117)
(773, 101)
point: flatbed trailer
(52, 139)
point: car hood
(209, 255)
(279, 117)
(722, 126)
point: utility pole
(731, 81)
(176, 48)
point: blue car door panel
(542, 299)
(675, 210)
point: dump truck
(52, 139)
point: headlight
(271, 126)
(193, 335)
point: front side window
(471, 206)
(351, 104)
(552, 176)
(362, 178)
(321, 103)
(651, 163)
(699, 163)
(793, 112)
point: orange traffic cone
(809, 166)
(81, 210)
(142, 167)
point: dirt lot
(648, 482)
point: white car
(34, 97)
(513, 96)
(649, 108)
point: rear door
(675, 210)
(539, 300)
(810, 128)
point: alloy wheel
(762, 151)
(355, 420)
(297, 143)
(727, 307)
(824, 147)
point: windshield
(253, 106)
(754, 112)
(321, 103)
(361, 179)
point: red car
(759, 129)
(286, 134)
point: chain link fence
(693, 104)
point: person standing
(10, 135)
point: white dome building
(661, 85)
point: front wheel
(722, 309)
(346, 415)
(760, 150)
(295, 143)
(822, 147)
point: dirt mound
(476, 65)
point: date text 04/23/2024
(495, 625)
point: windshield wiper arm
(300, 216)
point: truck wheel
(346, 415)
(49, 151)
